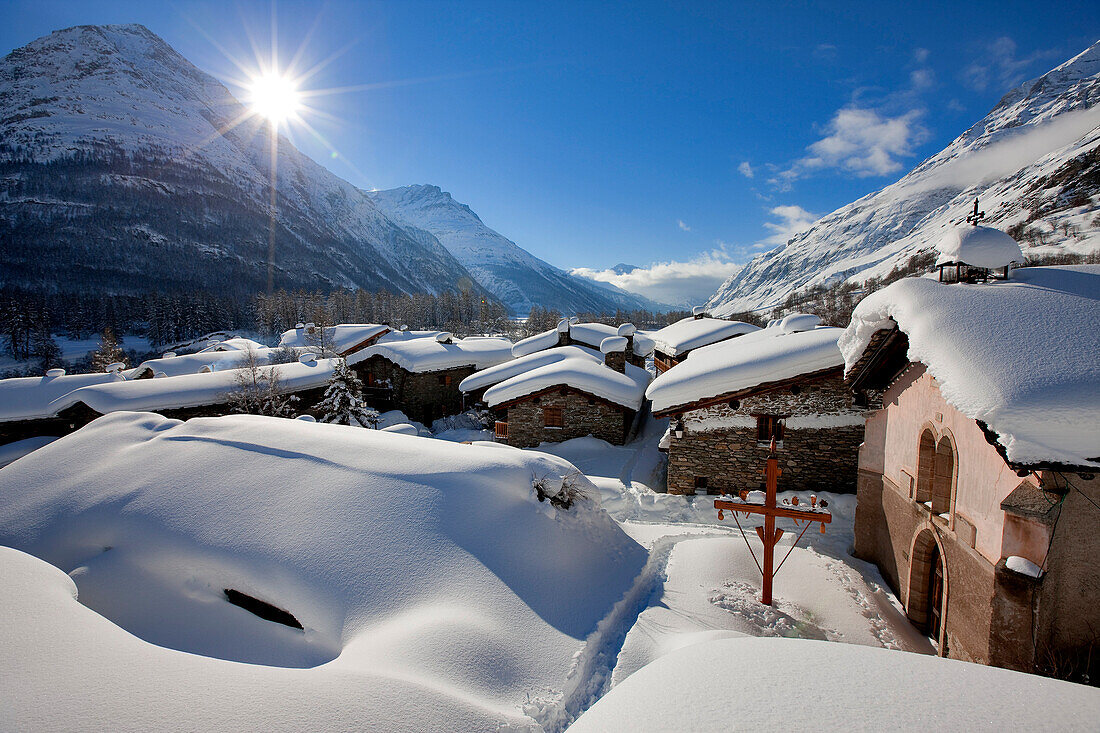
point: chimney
(614, 353)
(699, 312)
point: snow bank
(797, 684)
(978, 247)
(429, 355)
(446, 595)
(340, 338)
(29, 398)
(580, 372)
(10, 452)
(766, 355)
(191, 390)
(691, 333)
(1020, 355)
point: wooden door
(935, 593)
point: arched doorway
(927, 598)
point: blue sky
(594, 133)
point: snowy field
(435, 591)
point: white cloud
(792, 220)
(745, 169)
(682, 225)
(1028, 144)
(922, 78)
(920, 55)
(675, 283)
(998, 65)
(861, 141)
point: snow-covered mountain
(1033, 162)
(515, 276)
(124, 168)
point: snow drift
(445, 594)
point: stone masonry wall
(819, 450)
(423, 396)
(580, 417)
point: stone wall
(581, 416)
(731, 459)
(819, 450)
(424, 397)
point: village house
(978, 490)
(673, 343)
(564, 392)
(728, 401)
(421, 376)
(57, 404)
(572, 333)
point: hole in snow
(263, 609)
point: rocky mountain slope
(123, 168)
(518, 278)
(1033, 161)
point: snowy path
(701, 583)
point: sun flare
(274, 97)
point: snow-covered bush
(343, 400)
(259, 391)
(561, 491)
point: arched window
(926, 466)
(943, 479)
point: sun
(274, 97)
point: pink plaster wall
(983, 480)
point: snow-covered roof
(429, 355)
(538, 342)
(29, 398)
(583, 372)
(839, 687)
(691, 333)
(978, 246)
(591, 334)
(461, 562)
(340, 338)
(765, 355)
(234, 344)
(191, 390)
(1021, 355)
(212, 361)
(507, 370)
(395, 336)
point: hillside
(124, 168)
(518, 278)
(1033, 162)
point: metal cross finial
(975, 216)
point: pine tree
(109, 351)
(343, 401)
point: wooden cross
(975, 216)
(769, 535)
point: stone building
(564, 392)
(420, 376)
(673, 343)
(729, 400)
(978, 497)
